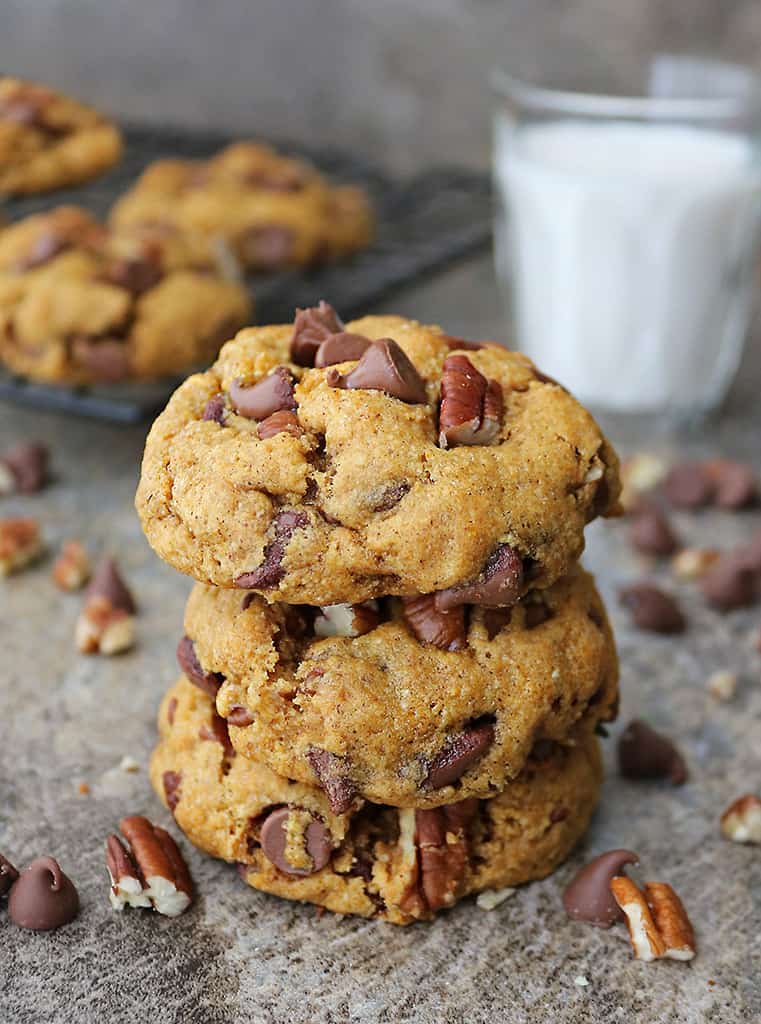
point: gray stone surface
(238, 956)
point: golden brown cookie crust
(50, 141)
(385, 509)
(272, 210)
(388, 708)
(376, 866)
(81, 304)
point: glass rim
(594, 104)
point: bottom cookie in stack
(397, 864)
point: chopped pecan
(20, 544)
(657, 921)
(441, 846)
(72, 567)
(347, 619)
(106, 623)
(442, 628)
(471, 406)
(284, 421)
(643, 933)
(741, 822)
(151, 872)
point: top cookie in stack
(321, 463)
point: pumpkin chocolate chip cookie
(272, 210)
(321, 463)
(81, 304)
(49, 141)
(371, 860)
(396, 702)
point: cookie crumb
(490, 899)
(581, 980)
(722, 685)
(129, 764)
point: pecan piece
(151, 872)
(441, 845)
(471, 406)
(72, 567)
(106, 622)
(741, 822)
(442, 628)
(20, 544)
(347, 619)
(284, 421)
(657, 921)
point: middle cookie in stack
(419, 503)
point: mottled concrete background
(406, 81)
(238, 956)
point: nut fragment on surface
(640, 474)
(20, 544)
(351, 620)
(722, 685)
(150, 871)
(106, 624)
(490, 899)
(471, 406)
(72, 568)
(657, 921)
(692, 563)
(741, 822)
(444, 628)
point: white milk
(631, 253)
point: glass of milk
(627, 233)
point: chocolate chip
(444, 629)
(688, 485)
(217, 732)
(644, 753)
(187, 659)
(652, 609)
(460, 753)
(239, 716)
(390, 496)
(281, 422)
(107, 582)
(651, 532)
(500, 583)
(43, 897)
(384, 367)
(750, 553)
(287, 178)
(28, 462)
(271, 571)
(107, 359)
(495, 620)
(171, 782)
(730, 582)
(274, 839)
(268, 247)
(334, 779)
(215, 409)
(135, 275)
(258, 401)
(558, 814)
(535, 613)
(453, 344)
(8, 875)
(588, 897)
(311, 328)
(341, 348)
(734, 483)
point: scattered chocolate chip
(499, 584)
(750, 553)
(107, 359)
(535, 613)
(258, 401)
(8, 875)
(730, 583)
(107, 582)
(239, 717)
(311, 328)
(391, 496)
(187, 659)
(333, 777)
(171, 782)
(271, 571)
(471, 406)
(341, 348)
(734, 483)
(688, 485)
(217, 732)
(444, 629)
(460, 753)
(43, 897)
(268, 247)
(281, 422)
(588, 897)
(215, 409)
(495, 620)
(135, 275)
(28, 462)
(384, 367)
(274, 838)
(652, 609)
(644, 753)
(651, 533)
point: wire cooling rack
(425, 224)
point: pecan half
(151, 872)
(284, 421)
(471, 406)
(442, 628)
(441, 845)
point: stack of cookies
(393, 666)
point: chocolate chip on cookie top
(325, 463)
